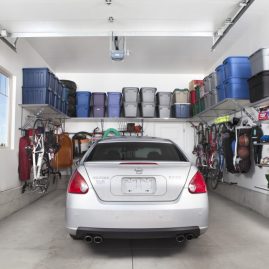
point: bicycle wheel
(214, 174)
(45, 172)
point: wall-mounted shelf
(261, 103)
(226, 107)
(132, 119)
(44, 111)
(264, 187)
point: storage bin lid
(114, 93)
(219, 68)
(182, 104)
(236, 59)
(165, 93)
(263, 51)
(181, 90)
(83, 92)
(99, 93)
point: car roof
(149, 139)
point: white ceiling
(147, 54)
(52, 16)
(153, 28)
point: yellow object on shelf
(222, 119)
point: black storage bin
(259, 86)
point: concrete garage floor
(35, 237)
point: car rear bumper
(138, 233)
(87, 214)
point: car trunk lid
(136, 181)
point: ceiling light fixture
(108, 2)
(227, 25)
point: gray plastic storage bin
(164, 98)
(207, 84)
(130, 109)
(164, 111)
(214, 97)
(148, 94)
(207, 99)
(148, 110)
(181, 96)
(259, 61)
(213, 81)
(130, 94)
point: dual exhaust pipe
(93, 239)
(99, 239)
(181, 238)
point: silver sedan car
(135, 188)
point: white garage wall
(253, 36)
(115, 82)
(11, 198)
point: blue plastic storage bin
(65, 94)
(83, 98)
(38, 78)
(60, 89)
(236, 88)
(37, 96)
(181, 110)
(220, 75)
(113, 111)
(64, 107)
(221, 92)
(237, 67)
(99, 98)
(58, 102)
(114, 98)
(83, 111)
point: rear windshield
(136, 151)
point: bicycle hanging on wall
(41, 151)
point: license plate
(138, 185)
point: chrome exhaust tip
(98, 239)
(180, 238)
(88, 239)
(189, 237)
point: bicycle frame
(38, 150)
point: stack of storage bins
(114, 104)
(148, 102)
(99, 101)
(207, 92)
(164, 104)
(65, 102)
(213, 89)
(71, 96)
(83, 99)
(237, 72)
(40, 86)
(220, 82)
(181, 106)
(130, 101)
(259, 82)
(196, 89)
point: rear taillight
(197, 184)
(77, 184)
